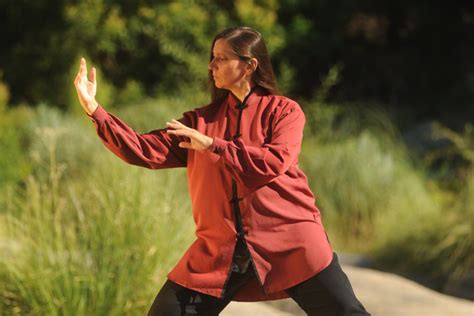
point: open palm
(86, 87)
(195, 141)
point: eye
(219, 59)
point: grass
(434, 249)
(375, 200)
(98, 242)
(360, 186)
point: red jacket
(282, 225)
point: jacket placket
(241, 231)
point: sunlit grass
(98, 243)
(375, 201)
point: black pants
(328, 293)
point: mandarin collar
(234, 103)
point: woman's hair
(247, 44)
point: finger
(179, 123)
(79, 72)
(83, 67)
(185, 145)
(93, 76)
(78, 80)
(175, 125)
(179, 132)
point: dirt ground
(383, 294)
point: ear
(252, 66)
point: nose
(211, 65)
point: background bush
(83, 233)
(387, 49)
(88, 234)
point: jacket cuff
(99, 114)
(218, 146)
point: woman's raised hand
(197, 140)
(86, 88)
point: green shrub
(14, 164)
(154, 113)
(71, 141)
(360, 183)
(132, 92)
(99, 244)
(438, 247)
(4, 95)
(375, 199)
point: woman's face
(228, 70)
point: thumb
(185, 145)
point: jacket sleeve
(155, 150)
(254, 166)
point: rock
(355, 260)
(383, 294)
(429, 136)
(388, 294)
(461, 287)
(254, 309)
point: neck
(242, 91)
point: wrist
(217, 146)
(91, 107)
(210, 143)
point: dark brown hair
(246, 43)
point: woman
(259, 233)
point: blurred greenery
(388, 148)
(84, 234)
(14, 164)
(388, 49)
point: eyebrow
(215, 53)
(224, 53)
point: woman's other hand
(86, 88)
(197, 140)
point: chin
(219, 86)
